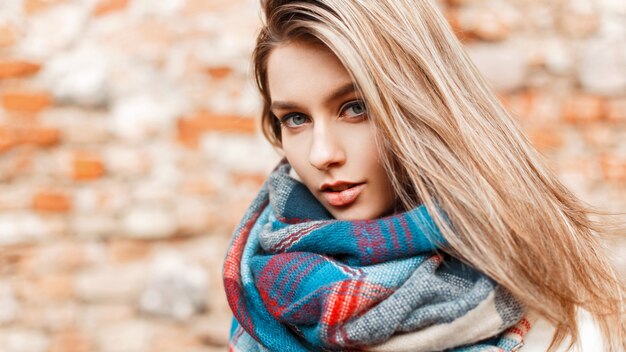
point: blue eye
(296, 120)
(354, 109)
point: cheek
(371, 158)
(296, 155)
(291, 148)
(368, 155)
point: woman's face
(327, 136)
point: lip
(345, 197)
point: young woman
(409, 213)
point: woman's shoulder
(541, 332)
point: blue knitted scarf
(299, 280)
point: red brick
(108, 6)
(20, 163)
(61, 257)
(583, 108)
(219, 72)
(191, 128)
(26, 101)
(123, 251)
(35, 135)
(599, 136)
(545, 138)
(578, 25)
(616, 110)
(8, 36)
(51, 201)
(41, 136)
(17, 69)
(56, 287)
(200, 186)
(34, 6)
(613, 168)
(8, 139)
(87, 166)
(241, 179)
(71, 340)
(16, 259)
(31, 134)
(520, 105)
(452, 16)
(504, 99)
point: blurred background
(130, 148)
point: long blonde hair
(444, 136)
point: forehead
(300, 69)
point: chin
(355, 213)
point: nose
(326, 148)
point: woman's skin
(326, 134)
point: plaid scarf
(299, 280)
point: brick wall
(129, 150)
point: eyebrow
(338, 93)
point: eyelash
(284, 120)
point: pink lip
(345, 197)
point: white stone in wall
(238, 152)
(14, 197)
(77, 125)
(53, 31)
(113, 197)
(22, 227)
(539, 15)
(613, 26)
(581, 6)
(149, 222)
(193, 215)
(617, 7)
(165, 172)
(218, 100)
(145, 116)
(52, 318)
(177, 61)
(11, 9)
(152, 191)
(163, 179)
(208, 250)
(234, 46)
(503, 64)
(87, 200)
(94, 226)
(9, 306)
(558, 56)
(602, 67)
(127, 162)
(23, 340)
(134, 335)
(248, 103)
(79, 76)
(110, 283)
(148, 8)
(176, 288)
